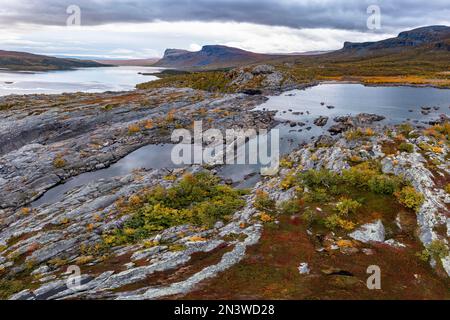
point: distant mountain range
(19, 61)
(432, 37)
(129, 62)
(216, 56)
(211, 56)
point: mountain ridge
(24, 61)
(211, 56)
(438, 36)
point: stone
(321, 121)
(304, 268)
(395, 243)
(370, 232)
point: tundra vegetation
(197, 199)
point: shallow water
(392, 102)
(148, 157)
(80, 80)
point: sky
(130, 29)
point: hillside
(130, 62)
(211, 57)
(432, 37)
(23, 61)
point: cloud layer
(334, 14)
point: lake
(79, 80)
(397, 104)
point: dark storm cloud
(338, 14)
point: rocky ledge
(44, 140)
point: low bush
(383, 184)
(133, 129)
(10, 287)
(196, 199)
(410, 198)
(436, 249)
(334, 222)
(347, 206)
(59, 162)
(406, 147)
(447, 188)
(264, 203)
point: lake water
(80, 80)
(397, 104)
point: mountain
(432, 37)
(129, 62)
(23, 61)
(210, 57)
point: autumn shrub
(405, 129)
(133, 129)
(59, 162)
(447, 188)
(319, 178)
(288, 181)
(8, 287)
(334, 222)
(263, 202)
(406, 147)
(410, 198)
(347, 206)
(317, 195)
(196, 199)
(290, 207)
(437, 249)
(309, 216)
(383, 184)
(359, 133)
(286, 163)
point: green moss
(9, 287)
(383, 184)
(436, 249)
(214, 81)
(347, 206)
(406, 147)
(264, 203)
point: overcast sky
(141, 29)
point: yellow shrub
(148, 124)
(437, 149)
(59, 162)
(288, 181)
(345, 243)
(286, 163)
(264, 217)
(196, 239)
(133, 128)
(129, 231)
(410, 198)
(84, 260)
(170, 116)
(134, 201)
(447, 188)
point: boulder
(321, 121)
(370, 232)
